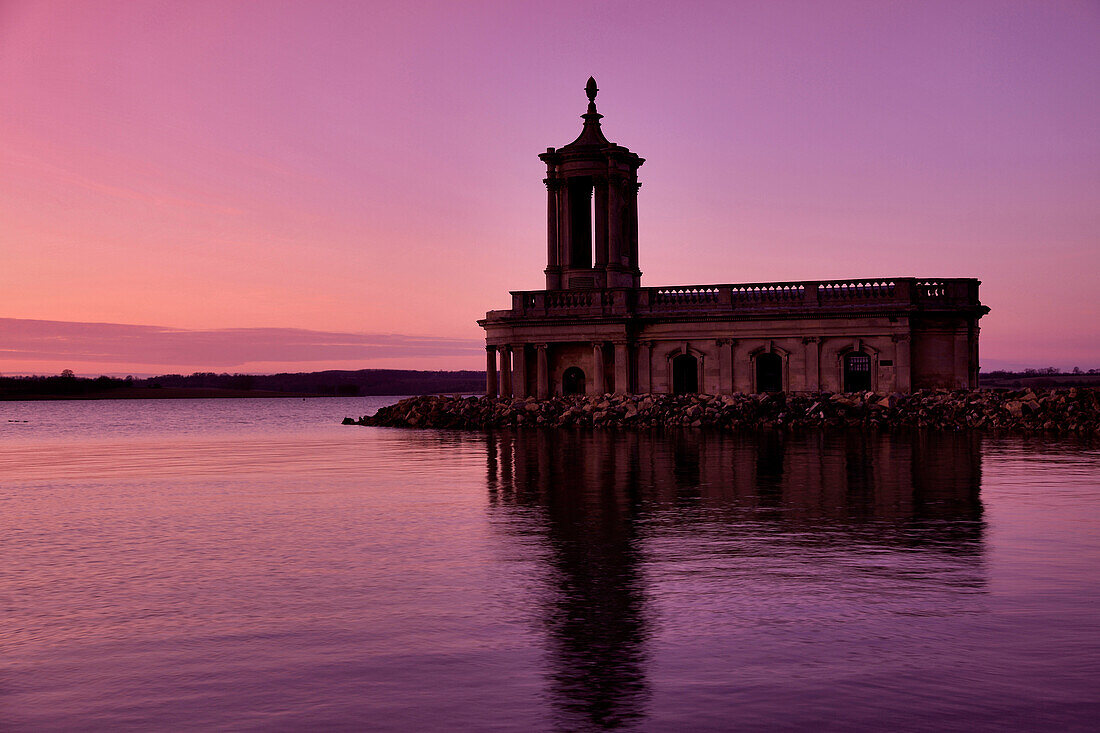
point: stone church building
(595, 329)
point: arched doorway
(769, 372)
(857, 372)
(572, 381)
(685, 374)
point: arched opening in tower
(580, 223)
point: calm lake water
(253, 564)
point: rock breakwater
(1065, 411)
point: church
(596, 330)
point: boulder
(1058, 411)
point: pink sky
(337, 174)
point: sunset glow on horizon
(290, 186)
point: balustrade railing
(809, 294)
(569, 299)
(856, 289)
(689, 294)
(931, 288)
(767, 292)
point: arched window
(857, 372)
(685, 374)
(769, 372)
(572, 381)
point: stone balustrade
(688, 295)
(808, 295)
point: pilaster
(962, 358)
(598, 386)
(645, 361)
(813, 362)
(725, 365)
(622, 368)
(903, 370)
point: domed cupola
(592, 222)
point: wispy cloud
(26, 341)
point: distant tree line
(63, 384)
(393, 382)
(334, 382)
(1046, 377)
(1045, 371)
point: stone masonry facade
(596, 330)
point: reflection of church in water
(595, 329)
(599, 508)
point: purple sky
(264, 170)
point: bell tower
(592, 210)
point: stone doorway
(857, 372)
(769, 372)
(685, 374)
(572, 381)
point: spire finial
(591, 135)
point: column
(505, 371)
(519, 370)
(615, 221)
(903, 370)
(490, 371)
(553, 259)
(564, 228)
(645, 359)
(553, 246)
(632, 243)
(622, 368)
(598, 387)
(543, 372)
(813, 363)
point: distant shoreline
(167, 393)
(207, 385)
(362, 383)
